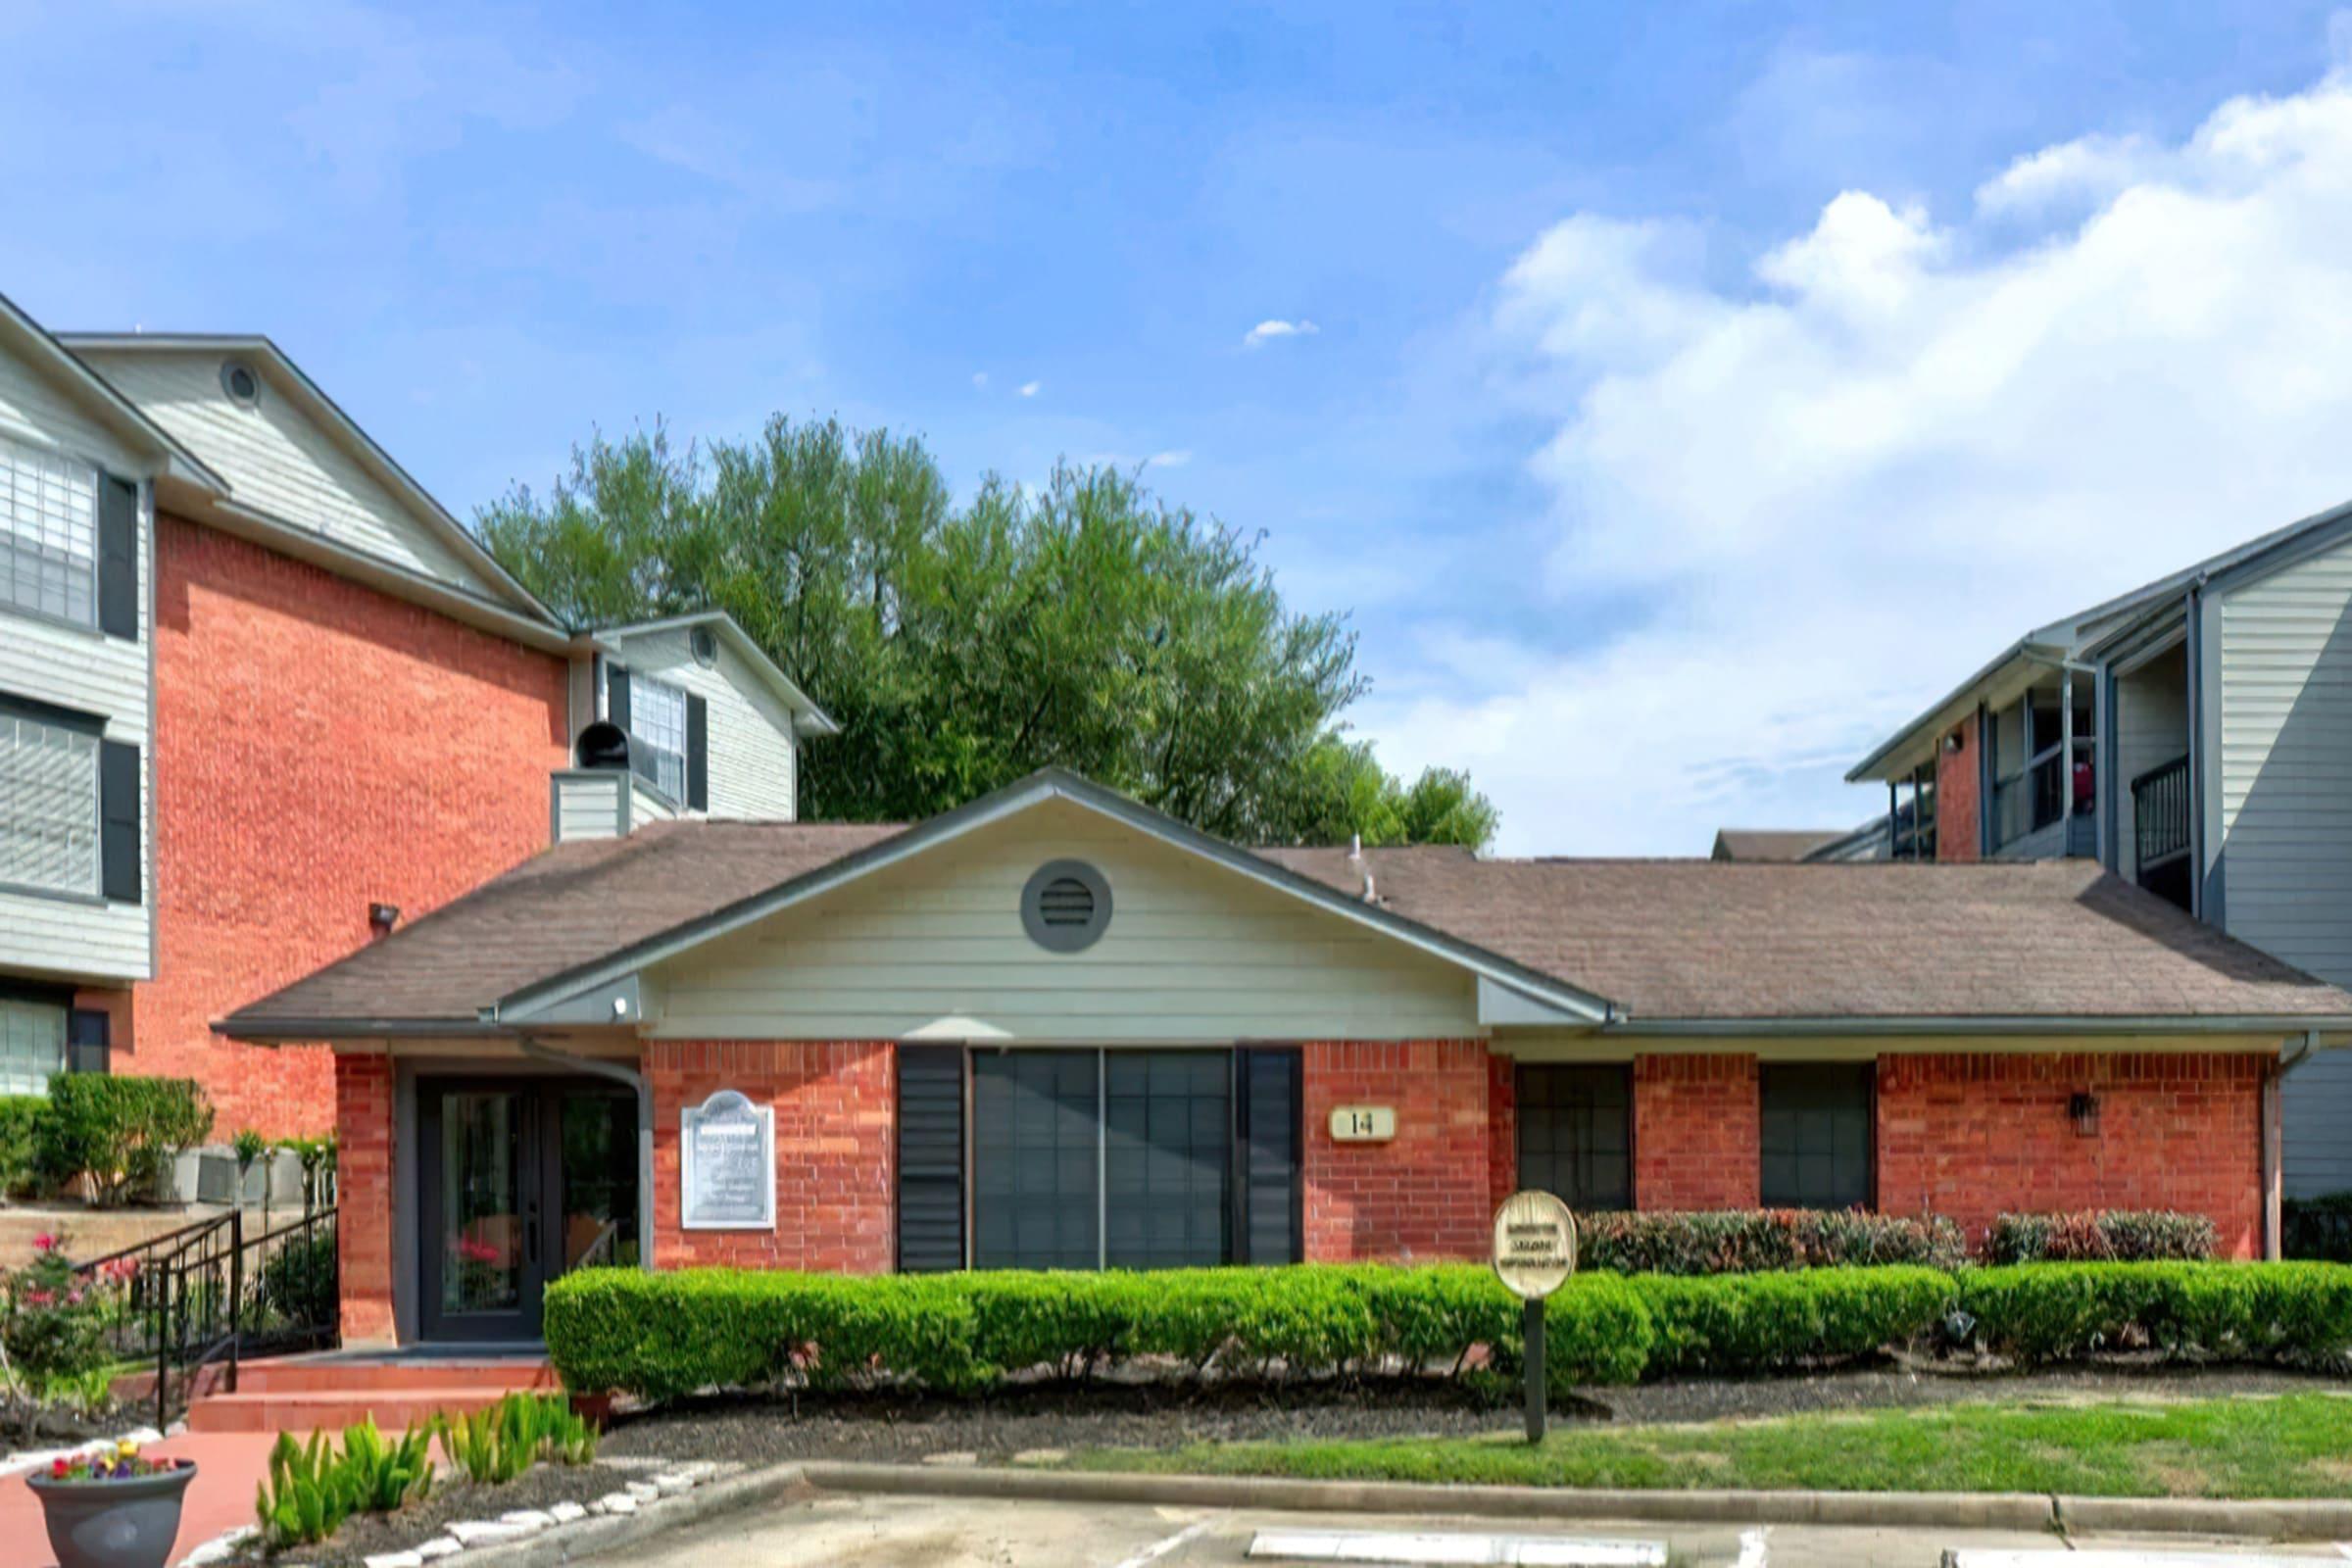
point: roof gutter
(2316, 1030)
(309, 1031)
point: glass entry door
(520, 1181)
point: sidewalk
(229, 1466)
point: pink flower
(38, 1298)
(46, 1242)
(56, 1467)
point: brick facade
(1959, 778)
(363, 1088)
(1695, 1132)
(836, 1150)
(1418, 1196)
(319, 745)
(1971, 1136)
(1503, 1129)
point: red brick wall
(836, 1150)
(319, 745)
(1957, 780)
(1503, 1129)
(363, 1088)
(1971, 1136)
(1419, 1195)
(1695, 1132)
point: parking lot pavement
(900, 1532)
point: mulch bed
(763, 1429)
(365, 1534)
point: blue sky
(1692, 392)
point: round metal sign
(1535, 1245)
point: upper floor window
(48, 534)
(49, 818)
(657, 721)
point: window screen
(48, 806)
(48, 534)
(1576, 1135)
(1816, 1135)
(33, 1044)
(1036, 1148)
(1167, 1154)
(657, 720)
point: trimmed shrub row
(1754, 1240)
(668, 1334)
(2104, 1236)
(118, 1131)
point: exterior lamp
(2084, 1106)
(381, 918)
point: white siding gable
(277, 461)
(1194, 953)
(754, 753)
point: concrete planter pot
(113, 1524)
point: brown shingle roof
(1706, 939)
(1660, 939)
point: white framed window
(33, 1044)
(657, 721)
(48, 534)
(48, 806)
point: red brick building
(1056, 1029)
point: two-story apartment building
(2195, 737)
(262, 698)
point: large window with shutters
(48, 534)
(1168, 1159)
(49, 805)
(657, 721)
(1037, 1159)
(1816, 1134)
(1575, 1133)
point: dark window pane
(1576, 1134)
(1816, 1135)
(1167, 1157)
(1034, 1153)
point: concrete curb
(2327, 1519)
(612, 1533)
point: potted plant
(114, 1509)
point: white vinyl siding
(32, 1046)
(277, 461)
(78, 668)
(48, 806)
(48, 534)
(2286, 818)
(1195, 953)
(753, 751)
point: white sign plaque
(1535, 1245)
(1363, 1124)
(727, 1164)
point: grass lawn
(2295, 1445)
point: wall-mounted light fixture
(1954, 741)
(381, 918)
(2084, 1106)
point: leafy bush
(20, 1142)
(298, 1283)
(1772, 1322)
(2045, 1311)
(53, 1319)
(118, 1131)
(2318, 1228)
(2104, 1236)
(496, 1445)
(1753, 1241)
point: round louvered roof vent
(1065, 905)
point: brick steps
(306, 1393)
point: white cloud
(1808, 509)
(980, 380)
(1265, 332)
(1174, 458)
(1030, 389)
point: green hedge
(2047, 1311)
(2104, 1236)
(1750, 1240)
(1771, 1322)
(666, 1334)
(20, 1142)
(118, 1131)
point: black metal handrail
(2160, 813)
(209, 1292)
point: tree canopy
(1084, 623)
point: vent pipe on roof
(1364, 867)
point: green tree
(1084, 623)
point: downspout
(2274, 1174)
(617, 1073)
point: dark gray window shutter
(930, 1159)
(88, 1040)
(119, 821)
(118, 557)
(1271, 1226)
(697, 753)
(616, 696)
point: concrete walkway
(228, 1465)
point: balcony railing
(2160, 813)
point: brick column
(1423, 1195)
(1958, 788)
(364, 1182)
(836, 1150)
(1503, 1129)
(1695, 1132)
